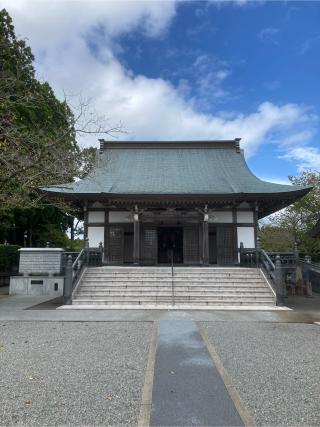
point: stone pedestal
(40, 260)
(39, 272)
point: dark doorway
(212, 247)
(128, 247)
(170, 241)
(225, 245)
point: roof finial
(237, 144)
(102, 141)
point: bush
(9, 258)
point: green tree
(38, 145)
(295, 222)
(276, 239)
(37, 132)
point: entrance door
(128, 247)
(148, 245)
(114, 248)
(170, 240)
(225, 244)
(191, 244)
(213, 247)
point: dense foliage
(295, 222)
(9, 258)
(37, 138)
(37, 147)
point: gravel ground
(275, 367)
(56, 373)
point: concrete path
(43, 308)
(187, 387)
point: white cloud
(269, 35)
(309, 43)
(47, 22)
(306, 157)
(149, 108)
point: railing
(172, 278)
(88, 257)
(247, 257)
(65, 257)
(270, 270)
(271, 264)
(281, 269)
(287, 258)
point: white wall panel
(95, 235)
(220, 216)
(120, 216)
(96, 216)
(246, 236)
(245, 216)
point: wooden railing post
(258, 249)
(101, 253)
(280, 285)
(67, 289)
(86, 248)
(241, 253)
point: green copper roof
(216, 167)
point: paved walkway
(187, 387)
(43, 308)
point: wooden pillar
(205, 237)
(106, 235)
(235, 235)
(136, 237)
(256, 223)
(85, 220)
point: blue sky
(190, 70)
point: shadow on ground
(48, 305)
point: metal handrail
(172, 280)
(78, 267)
(87, 256)
(267, 258)
(78, 257)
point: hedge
(9, 258)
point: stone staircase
(190, 287)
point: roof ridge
(220, 144)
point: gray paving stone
(57, 373)
(188, 389)
(275, 367)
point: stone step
(216, 302)
(168, 267)
(165, 285)
(228, 297)
(175, 273)
(179, 287)
(155, 289)
(152, 286)
(253, 272)
(176, 297)
(169, 280)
